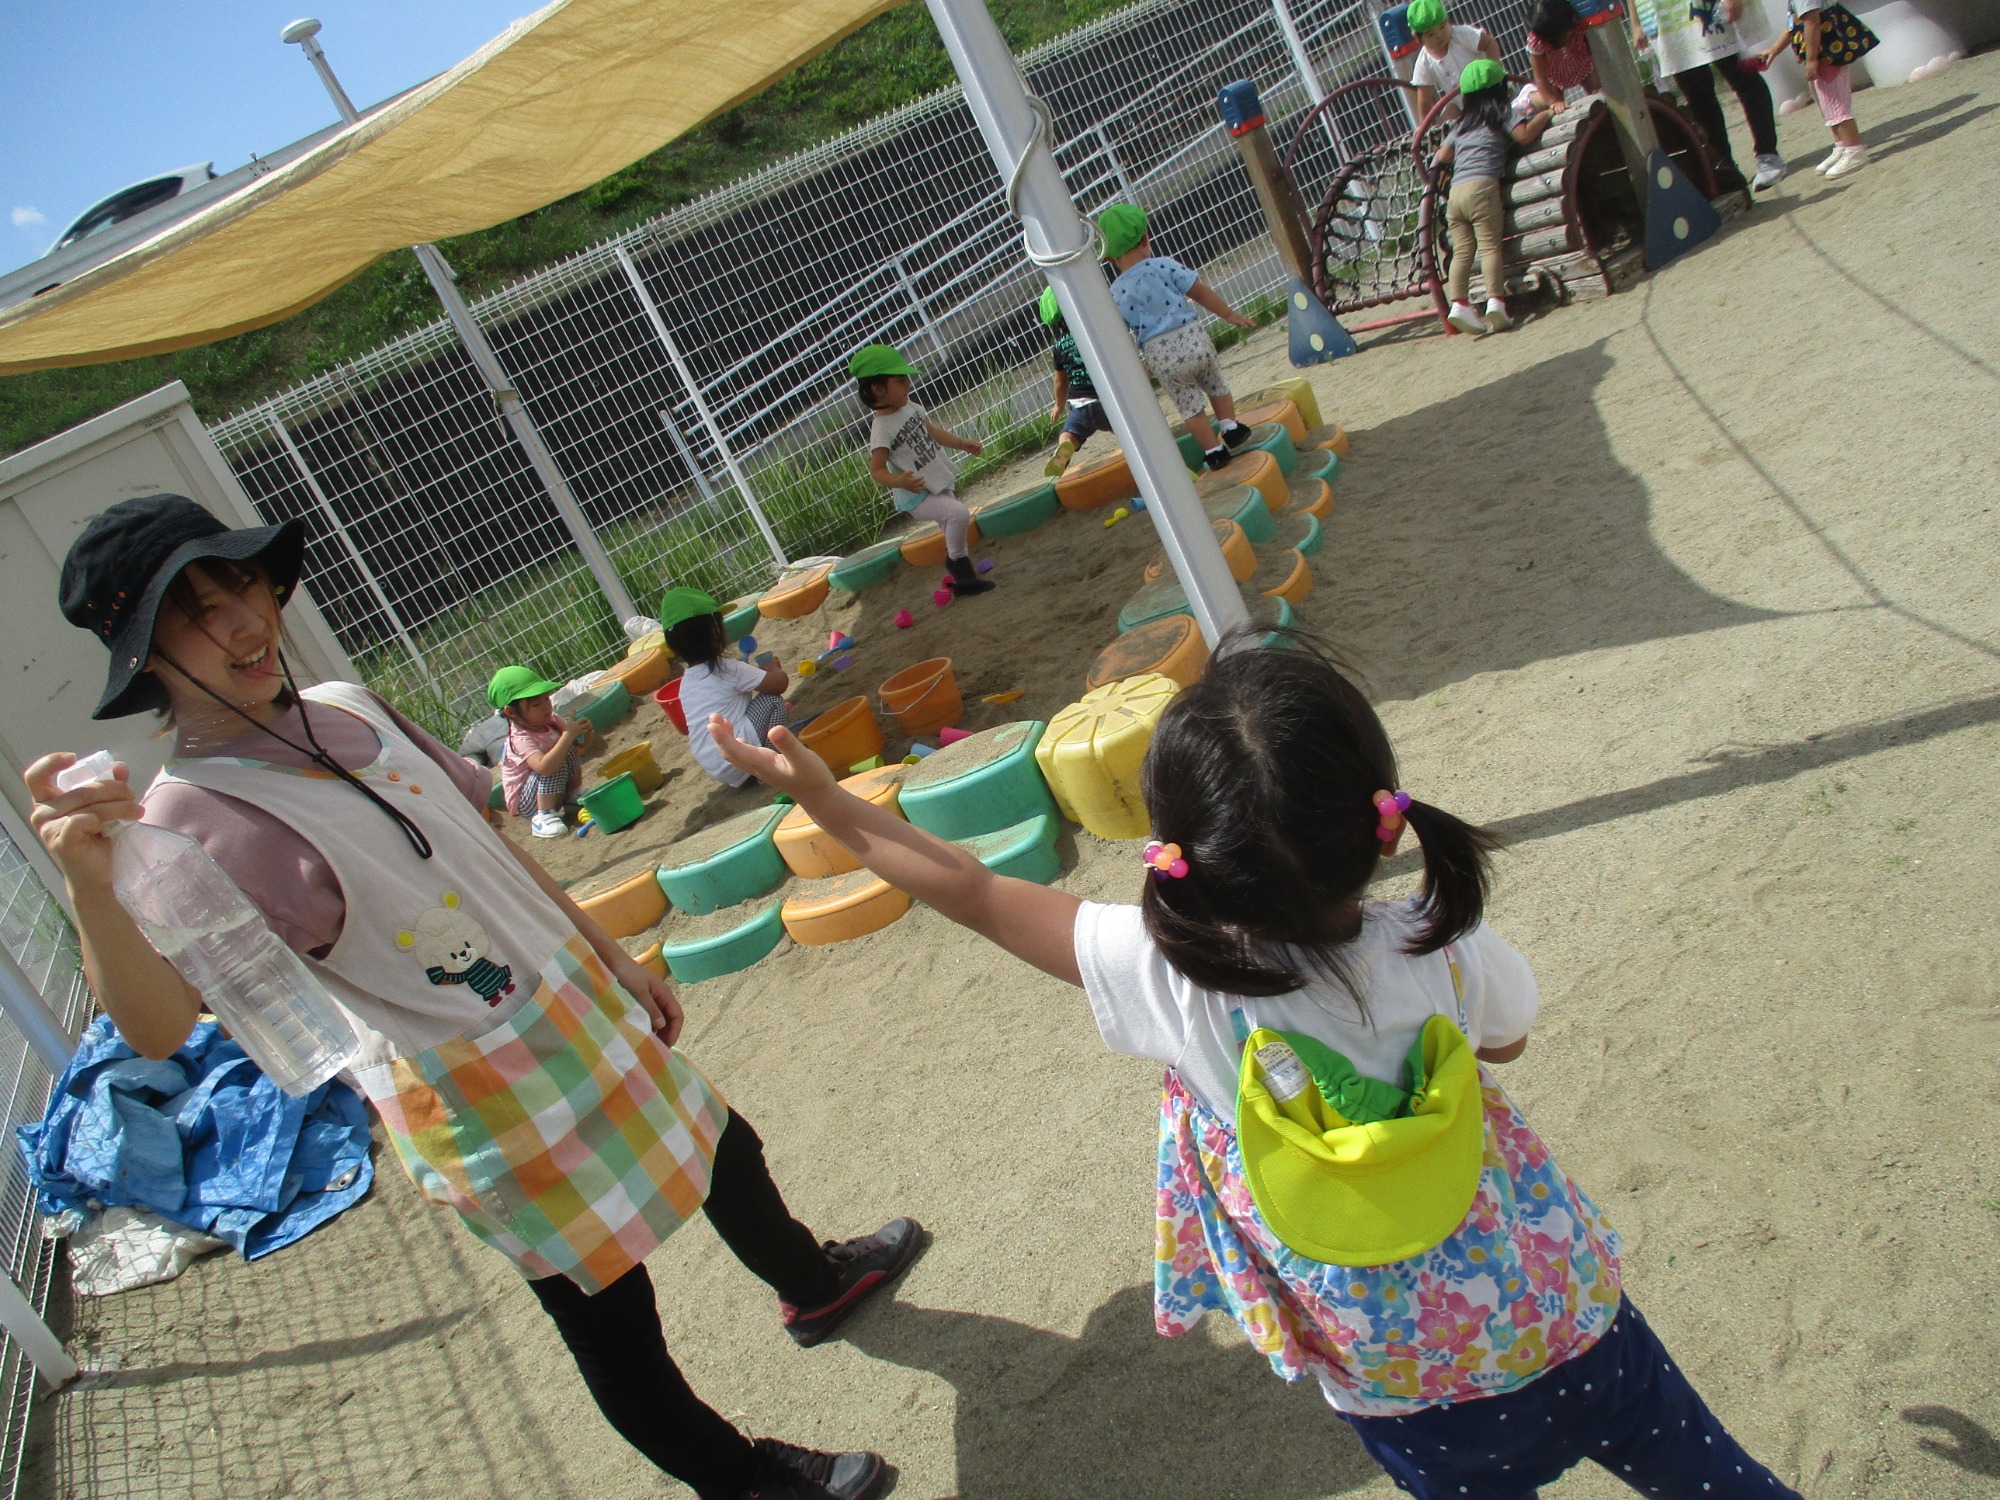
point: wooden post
(1243, 117)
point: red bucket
(669, 699)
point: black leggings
(1697, 86)
(619, 1346)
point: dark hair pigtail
(1457, 875)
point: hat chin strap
(317, 752)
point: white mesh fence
(37, 935)
(711, 343)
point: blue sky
(95, 94)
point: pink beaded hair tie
(1390, 807)
(1165, 860)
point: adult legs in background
(1754, 94)
(1697, 86)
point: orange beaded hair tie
(1390, 807)
(1165, 860)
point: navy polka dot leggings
(1623, 1404)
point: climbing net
(1370, 233)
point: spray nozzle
(95, 766)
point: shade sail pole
(1013, 129)
(305, 34)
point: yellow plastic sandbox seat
(1254, 467)
(1299, 391)
(1091, 753)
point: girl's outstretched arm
(1030, 921)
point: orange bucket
(923, 698)
(845, 733)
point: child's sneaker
(1233, 434)
(1496, 316)
(1771, 170)
(1464, 319)
(1216, 458)
(863, 1265)
(1852, 159)
(1832, 157)
(547, 825)
(1059, 462)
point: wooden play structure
(1575, 225)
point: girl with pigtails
(1338, 1168)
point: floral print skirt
(1528, 1280)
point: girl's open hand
(787, 765)
(72, 825)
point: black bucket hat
(118, 570)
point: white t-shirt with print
(724, 686)
(1146, 1008)
(912, 450)
(1442, 73)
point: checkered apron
(521, 1086)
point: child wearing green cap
(905, 457)
(542, 763)
(1161, 300)
(1478, 151)
(750, 695)
(1445, 51)
(1077, 409)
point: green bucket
(614, 805)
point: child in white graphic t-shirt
(905, 456)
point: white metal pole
(445, 283)
(25, 1327)
(354, 554)
(666, 338)
(999, 102)
(1308, 75)
(33, 1016)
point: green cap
(1123, 226)
(1424, 15)
(685, 603)
(1481, 73)
(1050, 308)
(878, 359)
(512, 684)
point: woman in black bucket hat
(546, 1105)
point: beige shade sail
(555, 103)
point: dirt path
(1692, 594)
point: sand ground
(1691, 593)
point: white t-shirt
(912, 450)
(1441, 73)
(1146, 1008)
(1686, 35)
(724, 686)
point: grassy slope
(894, 59)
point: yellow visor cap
(1365, 1195)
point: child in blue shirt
(1160, 298)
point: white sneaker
(548, 825)
(1771, 171)
(1464, 319)
(1832, 157)
(1852, 159)
(1496, 316)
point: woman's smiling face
(218, 625)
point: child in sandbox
(541, 769)
(1077, 408)
(1162, 301)
(750, 695)
(905, 457)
